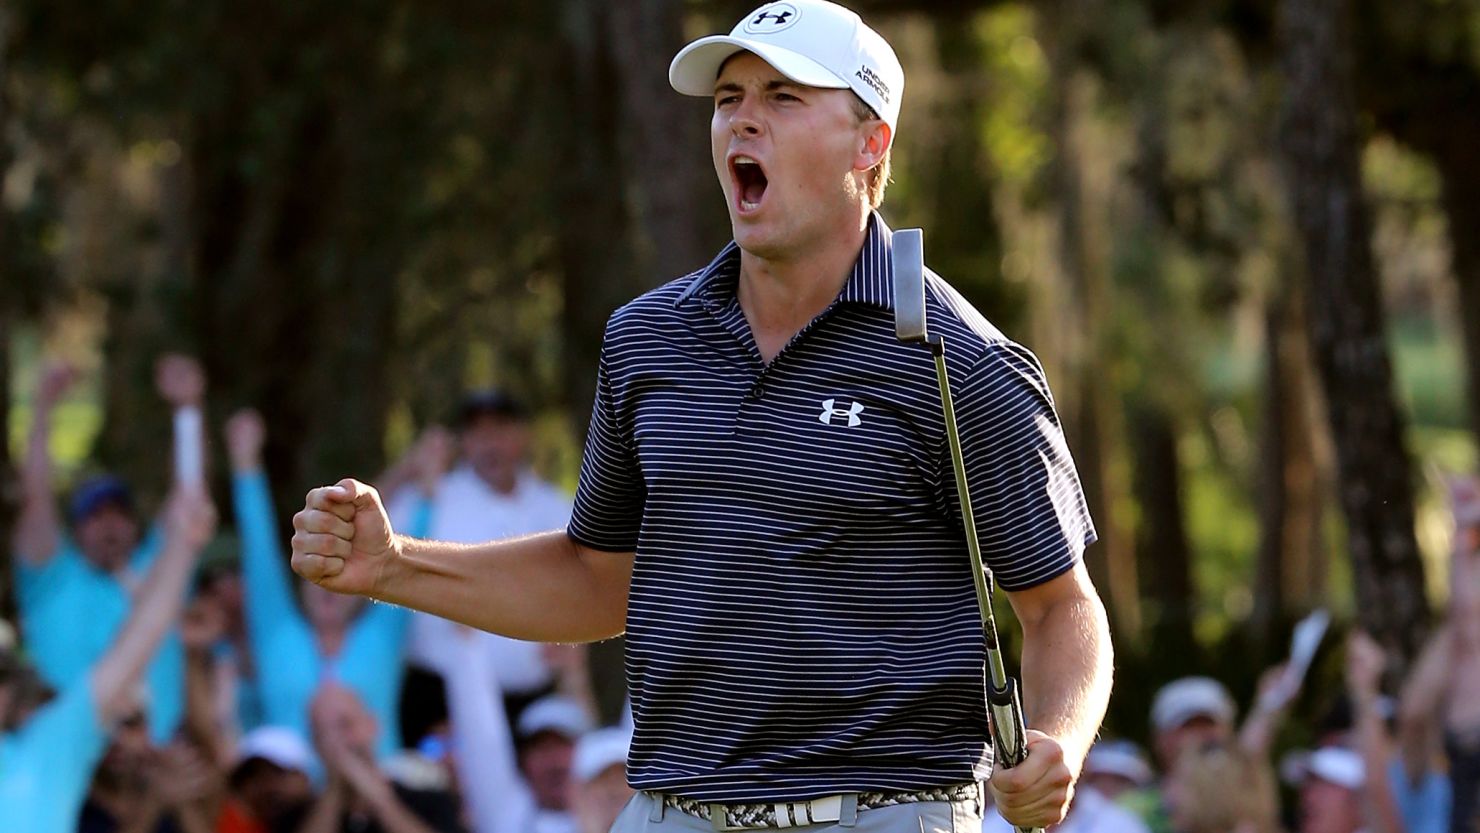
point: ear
(873, 144)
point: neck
(781, 294)
(331, 639)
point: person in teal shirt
(330, 638)
(74, 591)
(48, 750)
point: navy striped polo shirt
(802, 619)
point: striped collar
(872, 280)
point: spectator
(359, 797)
(1115, 767)
(331, 638)
(1440, 697)
(48, 749)
(96, 568)
(1187, 713)
(599, 773)
(138, 787)
(490, 495)
(1219, 787)
(269, 781)
(523, 791)
(1330, 782)
(1111, 768)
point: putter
(1004, 704)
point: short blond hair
(878, 175)
(1225, 788)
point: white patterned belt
(799, 813)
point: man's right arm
(543, 588)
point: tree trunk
(8, 486)
(648, 225)
(1290, 575)
(1461, 175)
(1094, 421)
(1320, 143)
(1162, 535)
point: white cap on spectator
(598, 751)
(1181, 700)
(812, 42)
(277, 745)
(1118, 757)
(1335, 764)
(554, 714)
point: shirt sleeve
(267, 583)
(35, 582)
(1026, 498)
(63, 742)
(607, 514)
(480, 732)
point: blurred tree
(1320, 141)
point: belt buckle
(784, 814)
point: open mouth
(750, 182)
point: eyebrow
(771, 86)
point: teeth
(749, 206)
(745, 160)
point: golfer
(767, 506)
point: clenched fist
(1036, 792)
(342, 540)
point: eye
(724, 100)
(786, 97)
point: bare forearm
(1375, 747)
(1067, 670)
(325, 814)
(542, 587)
(37, 529)
(154, 612)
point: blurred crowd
(162, 678)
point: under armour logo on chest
(830, 410)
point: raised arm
(268, 584)
(190, 519)
(475, 705)
(38, 533)
(1364, 667)
(544, 588)
(182, 383)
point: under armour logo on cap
(772, 18)
(829, 410)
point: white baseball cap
(554, 714)
(1118, 757)
(277, 745)
(812, 42)
(1181, 700)
(598, 751)
(1337, 764)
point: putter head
(908, 261)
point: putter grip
(1009, 734)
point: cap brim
(696, 67)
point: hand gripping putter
(1009, 736)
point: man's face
(327, 610)
(107, 537)
(1199, 731)
(495, 446)
(545, 760)
(1328, 808)
(807, 142)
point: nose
(745, 121)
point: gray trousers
(644, 814)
